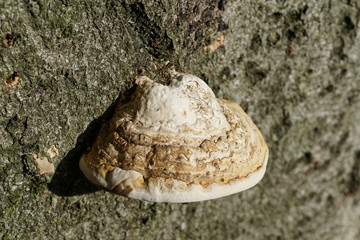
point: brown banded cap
(176, 142)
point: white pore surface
(186, 107)
(156, 192)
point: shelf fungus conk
(176, 142)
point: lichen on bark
(292, 65)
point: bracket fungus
(176, 142)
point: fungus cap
(176, 142)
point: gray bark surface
(294, 66)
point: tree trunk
(293, 66)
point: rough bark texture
(292, 65)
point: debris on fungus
(176, 142)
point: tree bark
(292, 65)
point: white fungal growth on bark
(176, 142)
